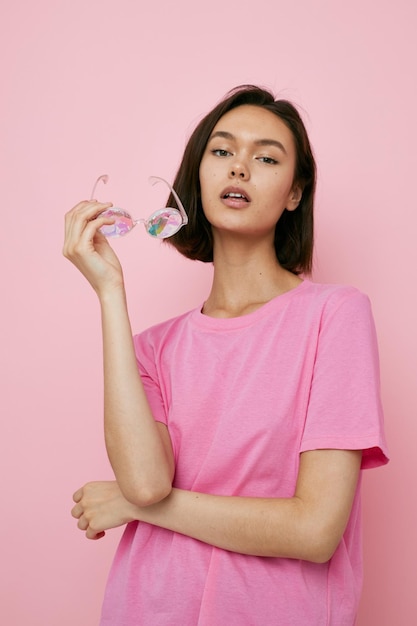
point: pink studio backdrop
(115, 87)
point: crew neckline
(208, 322)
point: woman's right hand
(88, 249)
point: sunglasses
(160, 224)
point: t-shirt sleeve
(148, 372)
(344, 410)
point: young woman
(237, 432)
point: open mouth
(235, 195)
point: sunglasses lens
(123, 224)
(164, 223)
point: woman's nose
(239, 170)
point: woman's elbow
(322, 554)
(143, 495)
(321, 545)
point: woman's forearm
(254, 526)
(307, 526)
(140, 455)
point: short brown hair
(294, 232)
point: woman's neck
(244, 279)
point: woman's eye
(220, 152)
(268, 160)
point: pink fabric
(242, 397)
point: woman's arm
(139, 449)
(307, 526)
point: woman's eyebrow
(271, 142)
(258, 142)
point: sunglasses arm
(104, 178)
(155, 180)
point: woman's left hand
(100, 506)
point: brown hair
(294, 231)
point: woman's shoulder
(159, 332)
(329, 301)
(337, 306)
(333, 293)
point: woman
(238, 449)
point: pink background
(115, 86)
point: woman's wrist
(110, 295)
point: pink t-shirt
(242, 398)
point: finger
(78, 495)
(76, 511)
(87, 206)
(93, 534)
(82, 523)
(82, 213)
(91, 234)
(77, 219)
(78, 224)
(80, 239)
(90, 534)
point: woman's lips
(235, 197)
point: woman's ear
(294, 198)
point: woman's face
(247, 172)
